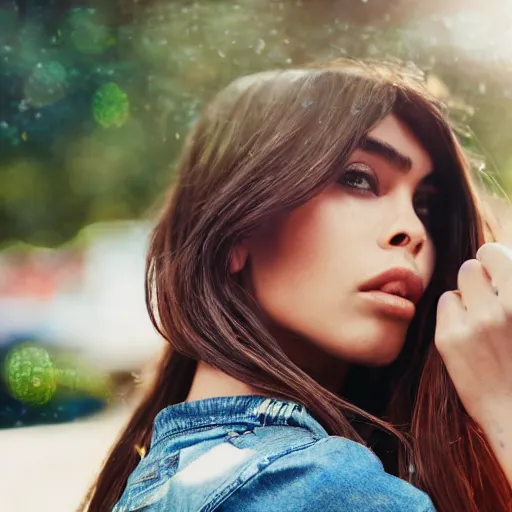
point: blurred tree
(96, 97)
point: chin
(377, 347)
(381, 358)
(370, 355)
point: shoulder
(329, 474)
(268, 468)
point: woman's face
(335, 270)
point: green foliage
(95, 102)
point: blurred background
(96, 98)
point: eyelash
(363, 172)
(358, 172)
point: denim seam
(228, 422)
(222, 423)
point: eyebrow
(386, 152)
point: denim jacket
(254, 454)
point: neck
(210, 383)
(328, 371)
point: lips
(400, 281)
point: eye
(422, 207)
(424, 204)
(359, 177)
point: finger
(475, 286)
(497, 261)
(451, 314)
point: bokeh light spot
(30, 375)
(88, 35)
(46, 84)
(111, 106)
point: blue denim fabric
(254, 454)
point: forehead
(395, 133)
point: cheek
(294, 263)
(427, 263)
(286, 254)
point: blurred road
(49, 468)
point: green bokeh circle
(111, 106)
(30, 375)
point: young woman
(321, 276)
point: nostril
(400, 240)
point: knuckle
(451, 339)
(506, 306)
(441, 341)
(469, 267)
(467, 270)
(446, 297)
(485, 249)
(489, 322)
(445, 303)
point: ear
(238, 258)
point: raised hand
(474, 338)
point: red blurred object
(39, 276)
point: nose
(405, 230)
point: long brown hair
(266, 144)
